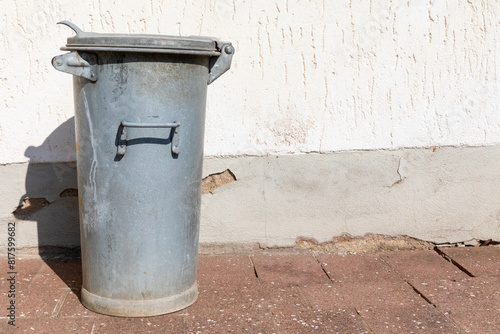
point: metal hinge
(79, 64)
(219, 65)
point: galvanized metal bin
(140, 116)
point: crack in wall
(401, 177)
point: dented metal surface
(140, 211)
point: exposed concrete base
(444, 195)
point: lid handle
(219, 65)
(72, 26)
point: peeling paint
(217, 180)
(29, 207)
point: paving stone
(39, 302)
(235, 308)
(33, 297)
(265, 308)
(42, 293)
(406, 318)
(363, 268)
(26, 266)
(5, 327)
(169, 323)
(230, 322)
(60, 273)
(453, 292)
(26, 270)
(384, 300)
(366, 278)
(291, 295)
(479, 261)
(34, 269)
(52, 326)
(384, 306)
(293, 313)
(422, 266)
(446, 286)
(66, 271)
(72, 307)
(321, 321)
(225, 269)
(473, 303)
(299, 269)
(341, 295)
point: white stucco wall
(308, 76)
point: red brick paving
(160, 324)
(278, 292)
(473, 303)
(420, 266)
(50, 325)
(293, 313)
(300, 269)
(479, 261)
(384, 300)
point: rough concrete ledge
(440, 195)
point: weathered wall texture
(308, 76)
(444, 195)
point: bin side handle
(122, 134)
(219, 65)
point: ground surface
(454, 290)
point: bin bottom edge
(139, 308)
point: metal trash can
(139, 119)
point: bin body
(139, 139)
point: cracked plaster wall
(308, 76)
(445, 195)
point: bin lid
(91, 41)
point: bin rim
(91, 41)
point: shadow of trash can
(139, 123)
